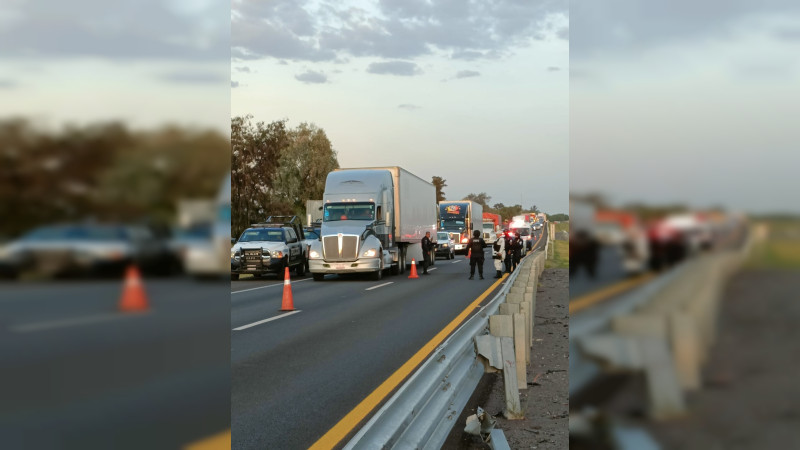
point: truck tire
(378, 274)
(402, 260)
(318, 276)
(234, 276)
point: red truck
(491, 224)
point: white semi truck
(373, 219)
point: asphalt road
(295, 377)
(79, 374)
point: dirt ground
(546, 401)
(750, 397)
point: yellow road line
(216, 442)
(588, 300)
(354, 417)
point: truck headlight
(371, 253)
(277, 254)
(314, 254)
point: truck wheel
(402, 260)
(396, 268)
(318, 276)
(301, 268)
(378, 274)
(234, 276)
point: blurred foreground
(92, 356)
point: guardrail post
(513, 407)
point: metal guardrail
(424, 409)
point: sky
(142, 62)
(686, 102)
(474, 92)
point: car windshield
(198, 231)
(349, 211)
(311, 234)
(77, 233)
(442, 236)
(262, 234)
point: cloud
(118, 30)
(8, 84)
(402, 68)
(234, 84)
(244, 69)
(311, 77)
(634, 27)
(553, 69)
(409, 107)
(392, 29)
(467, 74)
(194, 77)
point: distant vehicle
(446, 246)
(88, 249)
(373, 219)
(270, 247)
(491, 225)
(525, 230)
(196, 248)
(460, 219)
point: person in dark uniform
(518, 243)
(510, 244)
(476, 246)
(427, 248)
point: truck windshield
(522, 231)
(349, 211)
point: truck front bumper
(359, 265)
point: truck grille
(252, 255)
(332, 252)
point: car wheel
(301, 268)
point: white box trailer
(374, 218)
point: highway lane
(96, 378)
(297, 376)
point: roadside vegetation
(561, 258)
(777, 244)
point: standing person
(499, 253)
(427, 246)
(476, 246)
(509, 241)
(518, 243)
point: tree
(534, 209)
(255, 150)
(439, 183)
(482, 199)
(303, 167)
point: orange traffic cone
(287, 304)
(133, 295)
(413, 269)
